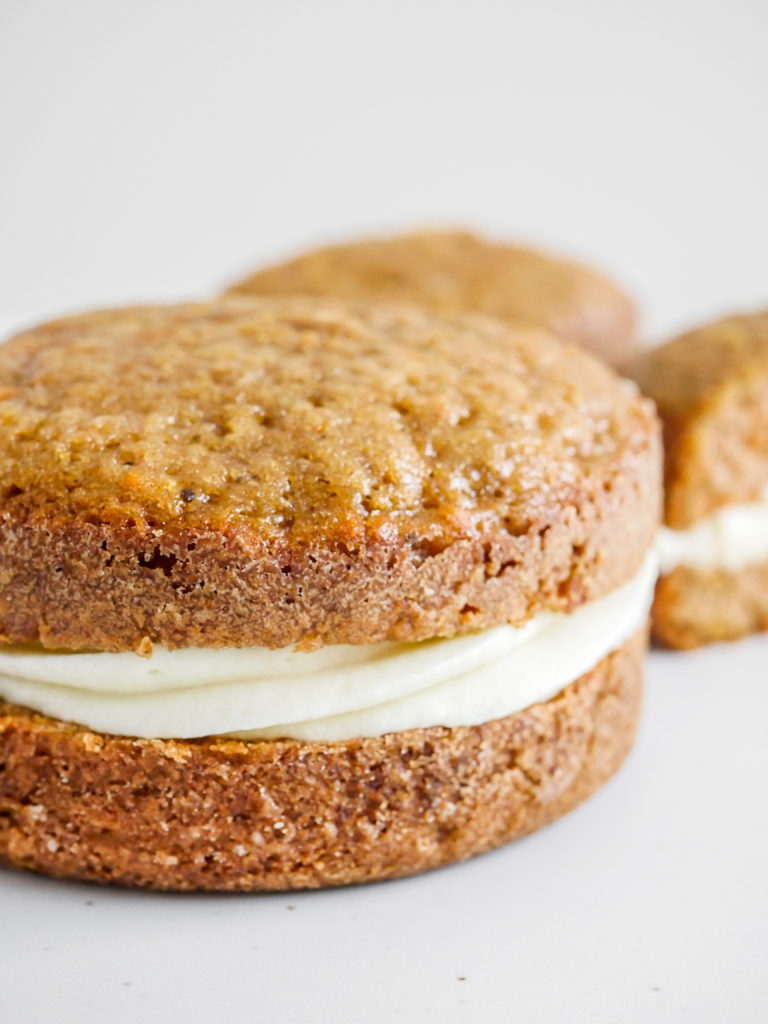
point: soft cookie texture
(307, 471)
(711, 389)
(288, 471)
(229, 815)
(455, 271)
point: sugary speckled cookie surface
(457, 271)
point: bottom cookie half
(694, 607)
(219, 814)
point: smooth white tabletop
(155, 151)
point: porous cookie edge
(78, 584)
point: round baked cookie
(333, 592)
(455, 271)
(711, 389)
(292, 471)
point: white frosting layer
(338, 692)
(731, 538)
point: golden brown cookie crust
(282, 471)
(455, 271)
(228, 815)
(694, 607)
(711, 389)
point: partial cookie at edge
(710, 386)
(693, 607)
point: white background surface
(156, 150)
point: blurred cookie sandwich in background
(711, 389)
(456, 271)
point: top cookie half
(457, 272)
(711, 389)
(283, 471)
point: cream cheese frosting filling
(338, 692)
(731, 538)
